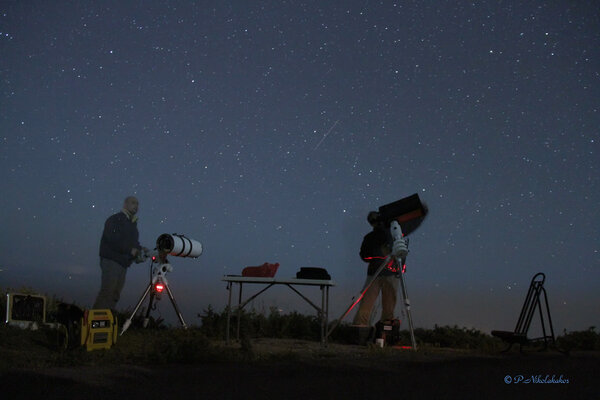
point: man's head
(374, 219)
(131, 205)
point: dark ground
(406, 376)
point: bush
(254, 324)
(137, 321)
(581, 340)
(454, 337)
(440, 336)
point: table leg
(229, 288)
(239, 312)
(322, 315)
(326, 312)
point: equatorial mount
(158, 284)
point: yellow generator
(98, 329)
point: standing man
(119, 247)
(376, 246)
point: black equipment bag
(70, 316)
(313, 273)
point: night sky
(268, 130)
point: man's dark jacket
(376, 246)
(119, 237)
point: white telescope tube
(396, 230)
(179, 245)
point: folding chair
(532, 302)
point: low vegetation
(159, 343)
(580, 340)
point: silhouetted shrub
(580, 340)
(255, 324)
(454, 337)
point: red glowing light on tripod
(357, 301)
(159, 287)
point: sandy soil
(303, 370)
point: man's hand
(139, 255)
(400, 249)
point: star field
(268, 130)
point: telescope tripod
(158, 283)
(368, 284)
(407, 307)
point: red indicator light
(357, 301)
(402, 347)
(159, 287)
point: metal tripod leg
(407, 306)
(356, 299)
(147, 317)
(128, 322)
(175, 306)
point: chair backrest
(531, 302)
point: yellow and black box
(98, 329)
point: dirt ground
(303, 370)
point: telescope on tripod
(402, 218)
(167, 244)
